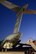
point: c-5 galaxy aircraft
(10, 40)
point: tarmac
(11, 52)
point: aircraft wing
(10, 5)
(29, 12)
(17, 8)
(2, 1)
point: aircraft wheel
(2, 50)
(5, 50)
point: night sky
(8, 19)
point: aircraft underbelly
(13, 36)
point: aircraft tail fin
(18, 22)
(19, 18)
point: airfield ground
(11, 52)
